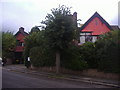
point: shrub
(36, 57)
(71, 59)
(88, 53)
(108, 52)
(40, 57)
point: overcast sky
(29, 13)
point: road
(13, 79)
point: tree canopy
(59, 29)
(8, 43)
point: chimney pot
(21, 29)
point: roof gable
(23, 33)
(96, 15)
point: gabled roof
(21, 30)
(96, 15)
(23, 33)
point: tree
(59, 31)
(8, 44)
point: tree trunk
(57, 62)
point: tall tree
(59, 30)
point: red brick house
(94, 27)
(20, 35)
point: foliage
(36, 56)
(30, 42)
(40, 57)
(36, 47)
(88, 53)
(8, 44)
(71, 59)
(108, 50)
(59, 28)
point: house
(20, 35)
(94, 27)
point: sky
(29, 13)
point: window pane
(94, 38)
(82, 39)
(88, 38)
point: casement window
(82, 39)
(94, 38)
(88, 38)
(22, 44)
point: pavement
(21, 68)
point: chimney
(75, 18)
(21, 29)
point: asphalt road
(21, 80)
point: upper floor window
(20, 43)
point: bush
(108, 52)
(36, 57)
(71, 59)
(40, 57)
(88, 53)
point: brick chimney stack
(75, 18)
(21, 29)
